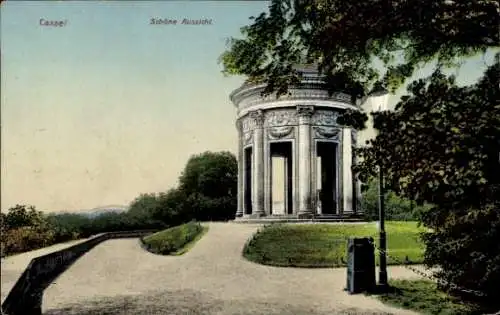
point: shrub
(396, 208)
(23, 239)
(469, 242)
(68, 226)
(173, 240)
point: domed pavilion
(294, 159)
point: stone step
(294, 218)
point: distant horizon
(106, 207)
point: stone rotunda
(294, 159)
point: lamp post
(379, 99)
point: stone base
(295, 218)
(305, 216)
(257, 215)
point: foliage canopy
(345, 38)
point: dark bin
(360, 265)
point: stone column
(359, 197)
(304, 114)
(357, 182)
(258, 164)
(286, 177)
(268, 176)
(347, 178)
(241, 170)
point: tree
(440, 145)
(345, 38)
(397, 208)
(68, 226)
(23, 216)
(213, 174)
(209, 181)
(172, 207)
(143, 205)
(207, 191)
(24, 228)
(3, 223)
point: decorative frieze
(305, 111)
(247, 124)
(283, 117)
(247, 137)
(253, 120)
(304, 114)
(283, 132)
(325, 118)
(258, 118)
(251, 95)
(329, 133)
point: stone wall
(26, 296)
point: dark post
(382, 276)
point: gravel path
(118, 277)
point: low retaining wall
(25, 298)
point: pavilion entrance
(247, 184)
(281, 178)
(326, 153)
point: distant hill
(95, 212)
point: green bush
(68, 226)
(173, 240)
(469, 241)
(24, 239)
(396, 208)
(24, 228)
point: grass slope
(324, 245)
(424, 297)
(176, 240)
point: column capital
(239, 127)
(305, 113)
(258, 118)
(354, 136)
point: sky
(108, 106)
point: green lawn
(176, 240)
(424, 297)
(324, 245)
